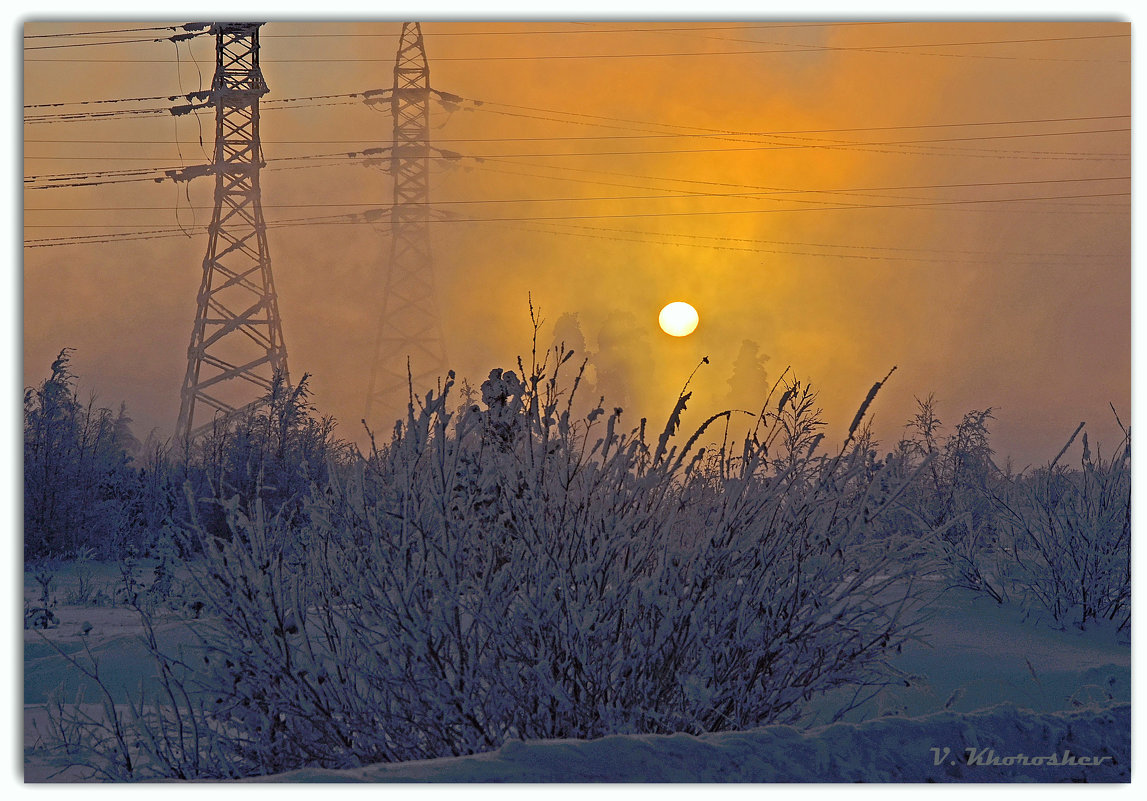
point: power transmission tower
(237, 338)
(409, 346)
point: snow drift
(1010, 744)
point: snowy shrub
(77, 482)
(1056, 539)
(949, 503)
(41, 616)
(1069, 537)
(276, 454)
(85, 591)
(506, 571)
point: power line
(765, 188)
(189, 26)
(764, 193)
(200, 96)
(715, 133)
(596, 137)
(647, 237)
(96, 44)
(98, 102)
(792, 48)
(647, 178)
(893, 49)
(660, 239)
(733, 135)
(722, 212)
(177, 38)
(380, 152)
(485, 33)
(801, 143)
(595, 120)
(962, 251)
(192, 108)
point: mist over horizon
(949, 198)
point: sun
(678, 319)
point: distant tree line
(91, 487)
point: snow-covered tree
(77, 479)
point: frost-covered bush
(948, 504)
(275, 454)
(506, 570)
(1069, 537)
(1056, 539)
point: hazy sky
(952, 198)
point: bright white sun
(678, 319)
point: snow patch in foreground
(891, 749)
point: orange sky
(951, 198)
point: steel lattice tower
(409, 330)
(237, 338)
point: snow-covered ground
(1009, 744)
(985, 679)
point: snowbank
(1010, 744)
